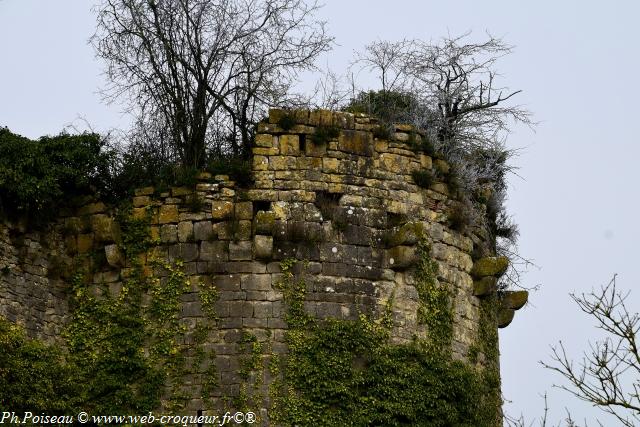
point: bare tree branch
(607, 375)
(202, 66)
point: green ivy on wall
(127, 347)
(340, 372)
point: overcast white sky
(576, 204)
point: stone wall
(346, 205)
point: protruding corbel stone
(485, 286)
(113, 255)
(505, 316)
(514, 300)
(490, 266)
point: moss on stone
(490, 266)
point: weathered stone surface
(514, 299)
(202, 230)
(185, 231)
(221, 210)
(505, 317)
(169, 233)
(214, 251)
(85, 243)
(490, 266)
(356, 142)
(141, 201)
(240, 251)
(244, 210)
(264, 140)
(263, 247)
(181, 191)
(183, 251)
(92, 208)
(401, 257)
(104, 228)
(168, 214)
(113, 255)
(442, 166)
(145, 191)
(373, 213)
(289, 145)
(485, 286)
(264, 222)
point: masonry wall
(347, 206)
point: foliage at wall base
(340, 372)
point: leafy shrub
(287, 121)
(38, 176)
(424, 144)
(324, 134)
(460, 217)
(423, 178)
(383, 132)
(452, 179)
(388, 106)
(238, 169)
(194, 203)
(34, 376)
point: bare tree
(198, 67)
(608, 376)
(388, 60)
(455, 84)
(459, 81)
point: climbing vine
(339, 372)
(129, 341)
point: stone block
(168, 214)
(490, 266)
(485, 286)
(240, 251)
(261, 310)
(180, 191)
(256, 282)
(321, 118)
(186, 252)
(140, 201)
(169, 233)
(264, 222)
(330, 165)
(289, 145)
(514, 300)
(265, 195)
(505, 317)
(401, 257)
(425, 161)
(214, 251)
(242, 230)
(221, 210)
(85, 242)
(442, 166)
(185, 231)
(264, 140)
(260, 163)
(202, 230)
(357, 235)
(244, 210)
(92, 208)
(113, 255)
(356, 142)
(104, 228)
(263, 247)
(144, 191)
